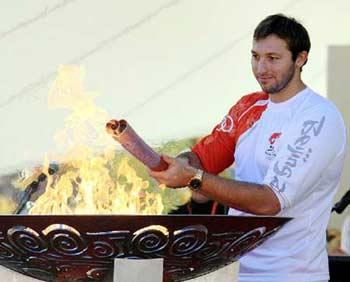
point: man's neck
(288, 92)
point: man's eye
(273, 58)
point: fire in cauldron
(92, 176)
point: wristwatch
(195, 182)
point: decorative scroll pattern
(65, 240)
(60, 252)
(150, 240)
(25, 239)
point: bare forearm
(247, 197)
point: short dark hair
(286, 28)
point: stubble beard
(279, 86)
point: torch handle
(163, 165)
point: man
(288, 146)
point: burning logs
(122, 132)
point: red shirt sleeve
(216, 151)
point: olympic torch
(122, 132)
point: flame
(93, 178)
(7, 205)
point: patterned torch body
(122, 132)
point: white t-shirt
(297, 148)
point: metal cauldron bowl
(83, 248)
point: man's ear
(301, 59)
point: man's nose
(261, 66)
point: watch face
(195, 183)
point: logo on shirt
(226, 125)
(299, 152)
(271, 152)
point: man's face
(272, 64)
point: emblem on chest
(271, 150)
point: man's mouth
(264, 79)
